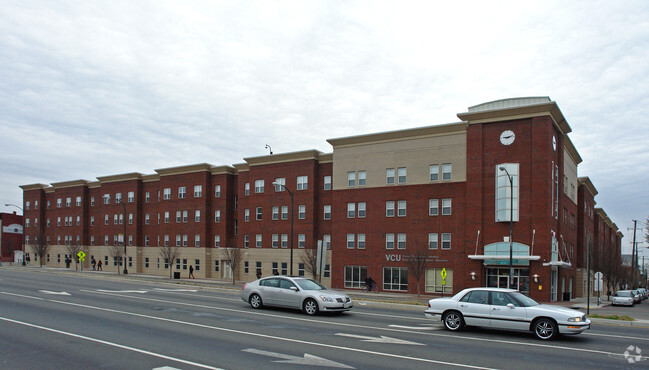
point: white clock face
(507, 137)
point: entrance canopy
(498, 254)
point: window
(59, 202)
(446, 206)
(246, 215)
(217, 216)
(447, 171)
(302, 182)
(184, 240)
(246, 188)
(27, 222)
(284, 212)
(389, 241)
(147, 197)
(27, 205)
(197, 240)
(105, 221)
(401, 208)
(259, 186)
(118, 198)
(185, 218)
(279, 183)
(166, 194)
(350, 241)
(362, 178)
(361, 209)
(92, 221)
(68, 202)
(146, 219)
(326, 241)
(395, 278)
(327, 183)
(130, 219)
(446, 240)
(284, 240)
(401, 171)
(166, 217)
(434, 281)
(182, 192)
(327, 212)
(146, 240)
(300, 269)
(258, 241)
(401, 241)
(78, 221)
(433, 207)
(389, 176)
(301, 240)
(506, 197)
(274, 240)
(198, 191)
(92, 240)
(361, 241)
(197, 215)
(78, 203)
(115, 219)
(434, 172)
(166, 240)
(258, 213)
(48, 203)
(351, 210)
(178, 217)
(432, 240)
(275, 213)
(301, 211)
(217, 191)
(246, 241)
(131, 196)
(389, 208)
(355, 276)
(351, 179)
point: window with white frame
(146, 219)
(360, 240)
(179, 216)
(362, 209)
(197, 240)
(118, 197)
(351, 210)
(115, 219)
(351, 179)
(389, 241)
(198, 191)
(327, 212)
(284, 212)
(131, 196)
(302, 182)
(182, 192)
(259, 186)
(147, 197)
(351, 240)
(27, 205)
(389, 176)
(217, 241)
(246, 241)
(506, 197)
(447, 172)
(401, 241)
(389, 208)
(326, 241)
(275, 213)
(185, 240)
(166, 240)
(105, 220)
(92, 240)
(166, 193)
(78, 221)
(362, 178)
(59, 201)
(217, 191)
(166, 217)
(274, 241)
(246, 188)
(395, 278)
(432, 241)
(355, 276)
(258, 213)
(446, 240)
(197, 215)
(434, 281)
(433, 207)
(217, 215)
(401, 172)
(146, 240)
(92, 202)
(185, 217)
(434, 172)
(279, 183)
(301, 211)
(401, 208)
(446, 206)
(301, 240)
(78, 201)
(284, 240)
(68, 202)
(258, 241)
(327, 183)
(130, 219)
(246, 215)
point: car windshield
(524, 300)
(623, 294)
(309, 284)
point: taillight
(244, 285)
(428, 304)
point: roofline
(585, 181)
(417, 132)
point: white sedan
(505, 309)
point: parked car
(505, 309)
(623, 298)
(643, 293)
(295, 292)
(636, 296)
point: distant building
(377, 202)
(11, 235)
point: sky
(97, 88)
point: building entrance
(499, 278)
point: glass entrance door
(499, 278)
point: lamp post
(23, 224)
(511, 225)
(124, 237)
(291, 194)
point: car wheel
(255, 301)
(545, 329)
(453, 321)
(310, 307)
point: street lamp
(23, 224)
(124, 237)
(511, 225)
(291, 193)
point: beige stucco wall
(570, 176)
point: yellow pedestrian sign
(81, 256)
(443, 274)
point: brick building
(11, 235)
(379, 202)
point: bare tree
(116, 252)
(233, 257)
(170, 254)
(309, 257)
(417, 263)
(40, 247)
(74, 250)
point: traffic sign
(81, 256)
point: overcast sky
(99, 88)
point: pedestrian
(191, 272)
(93, 263)
(67, 262)
(258, 274)
(99, 266)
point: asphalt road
(67, 320)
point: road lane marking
(55, 293)
(122, 291)
(128, 348)
(306, 360)
(23, 296)
(615, 336)
(381, 339)
(436, 327)
(451, 336)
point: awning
(558, 263)
(498, 254)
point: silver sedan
(295, 292)
(505, 309)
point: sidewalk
(407, 301)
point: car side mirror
(293, 288)
(510, 305)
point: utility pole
(634, 254)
